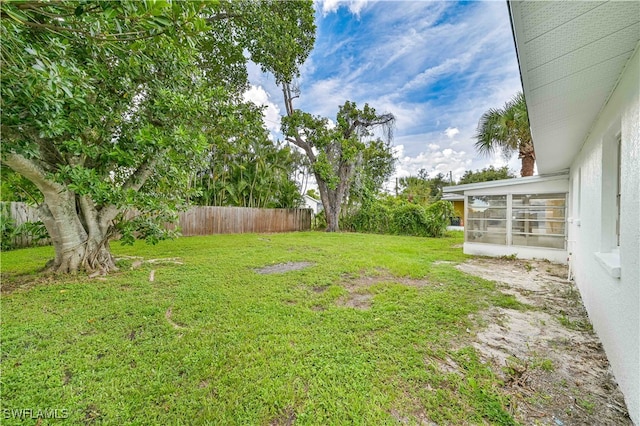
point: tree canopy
(506, 130)
(422, 189)
(335, 150)
(109, 107)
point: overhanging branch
(32, 171)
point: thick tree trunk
(80, 241)
(333, 214)
(331, 203)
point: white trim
(459, 189)
(610, 262)
(521, 252)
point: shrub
(400, 217)
(438, 215)
(409, 219)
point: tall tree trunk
(332, 198)
(332, 210)
(331, 207)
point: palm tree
(507, 130)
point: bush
(320, 221)
(409, 219)
(399, 217)
(372, 217)
(438, 215)
(7, 228)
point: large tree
(333, 149)
(109, 107)
(506, 130)
(373, 169)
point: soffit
(571, 55)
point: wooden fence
(200, 220)
(238, 220)
(20, 213)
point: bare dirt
(283, 267)
(358, 295)
(550, 360)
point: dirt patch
(286, 418)
(356, 300)
(283, 267)
(548, 356)
(358, 295)
(355, 282)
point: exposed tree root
(167, 316)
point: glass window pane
(538, 227)
(538, 213)
(487, 225)
(539, 200)
(488, 201)
(486, 213)
(475, 236)
(538, 241)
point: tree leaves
(506, 130)
(118, 101)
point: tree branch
(32, 171)
(135, 182)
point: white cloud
(271, 113)
(434, 162)
(355, 6)
(451, 132)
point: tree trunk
(331, 203)
(528, 157)
(528, 163)
(79, 237)
(332, 213)
(79, 230)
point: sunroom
(522, 217)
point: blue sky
(437, 66)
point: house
(457, 201)
(580, 69)
(313, 204)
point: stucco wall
(613, 303)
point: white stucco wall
(613, 303)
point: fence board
(207, 220)
(22, 213)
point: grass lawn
(211, 341)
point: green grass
(251, 349)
